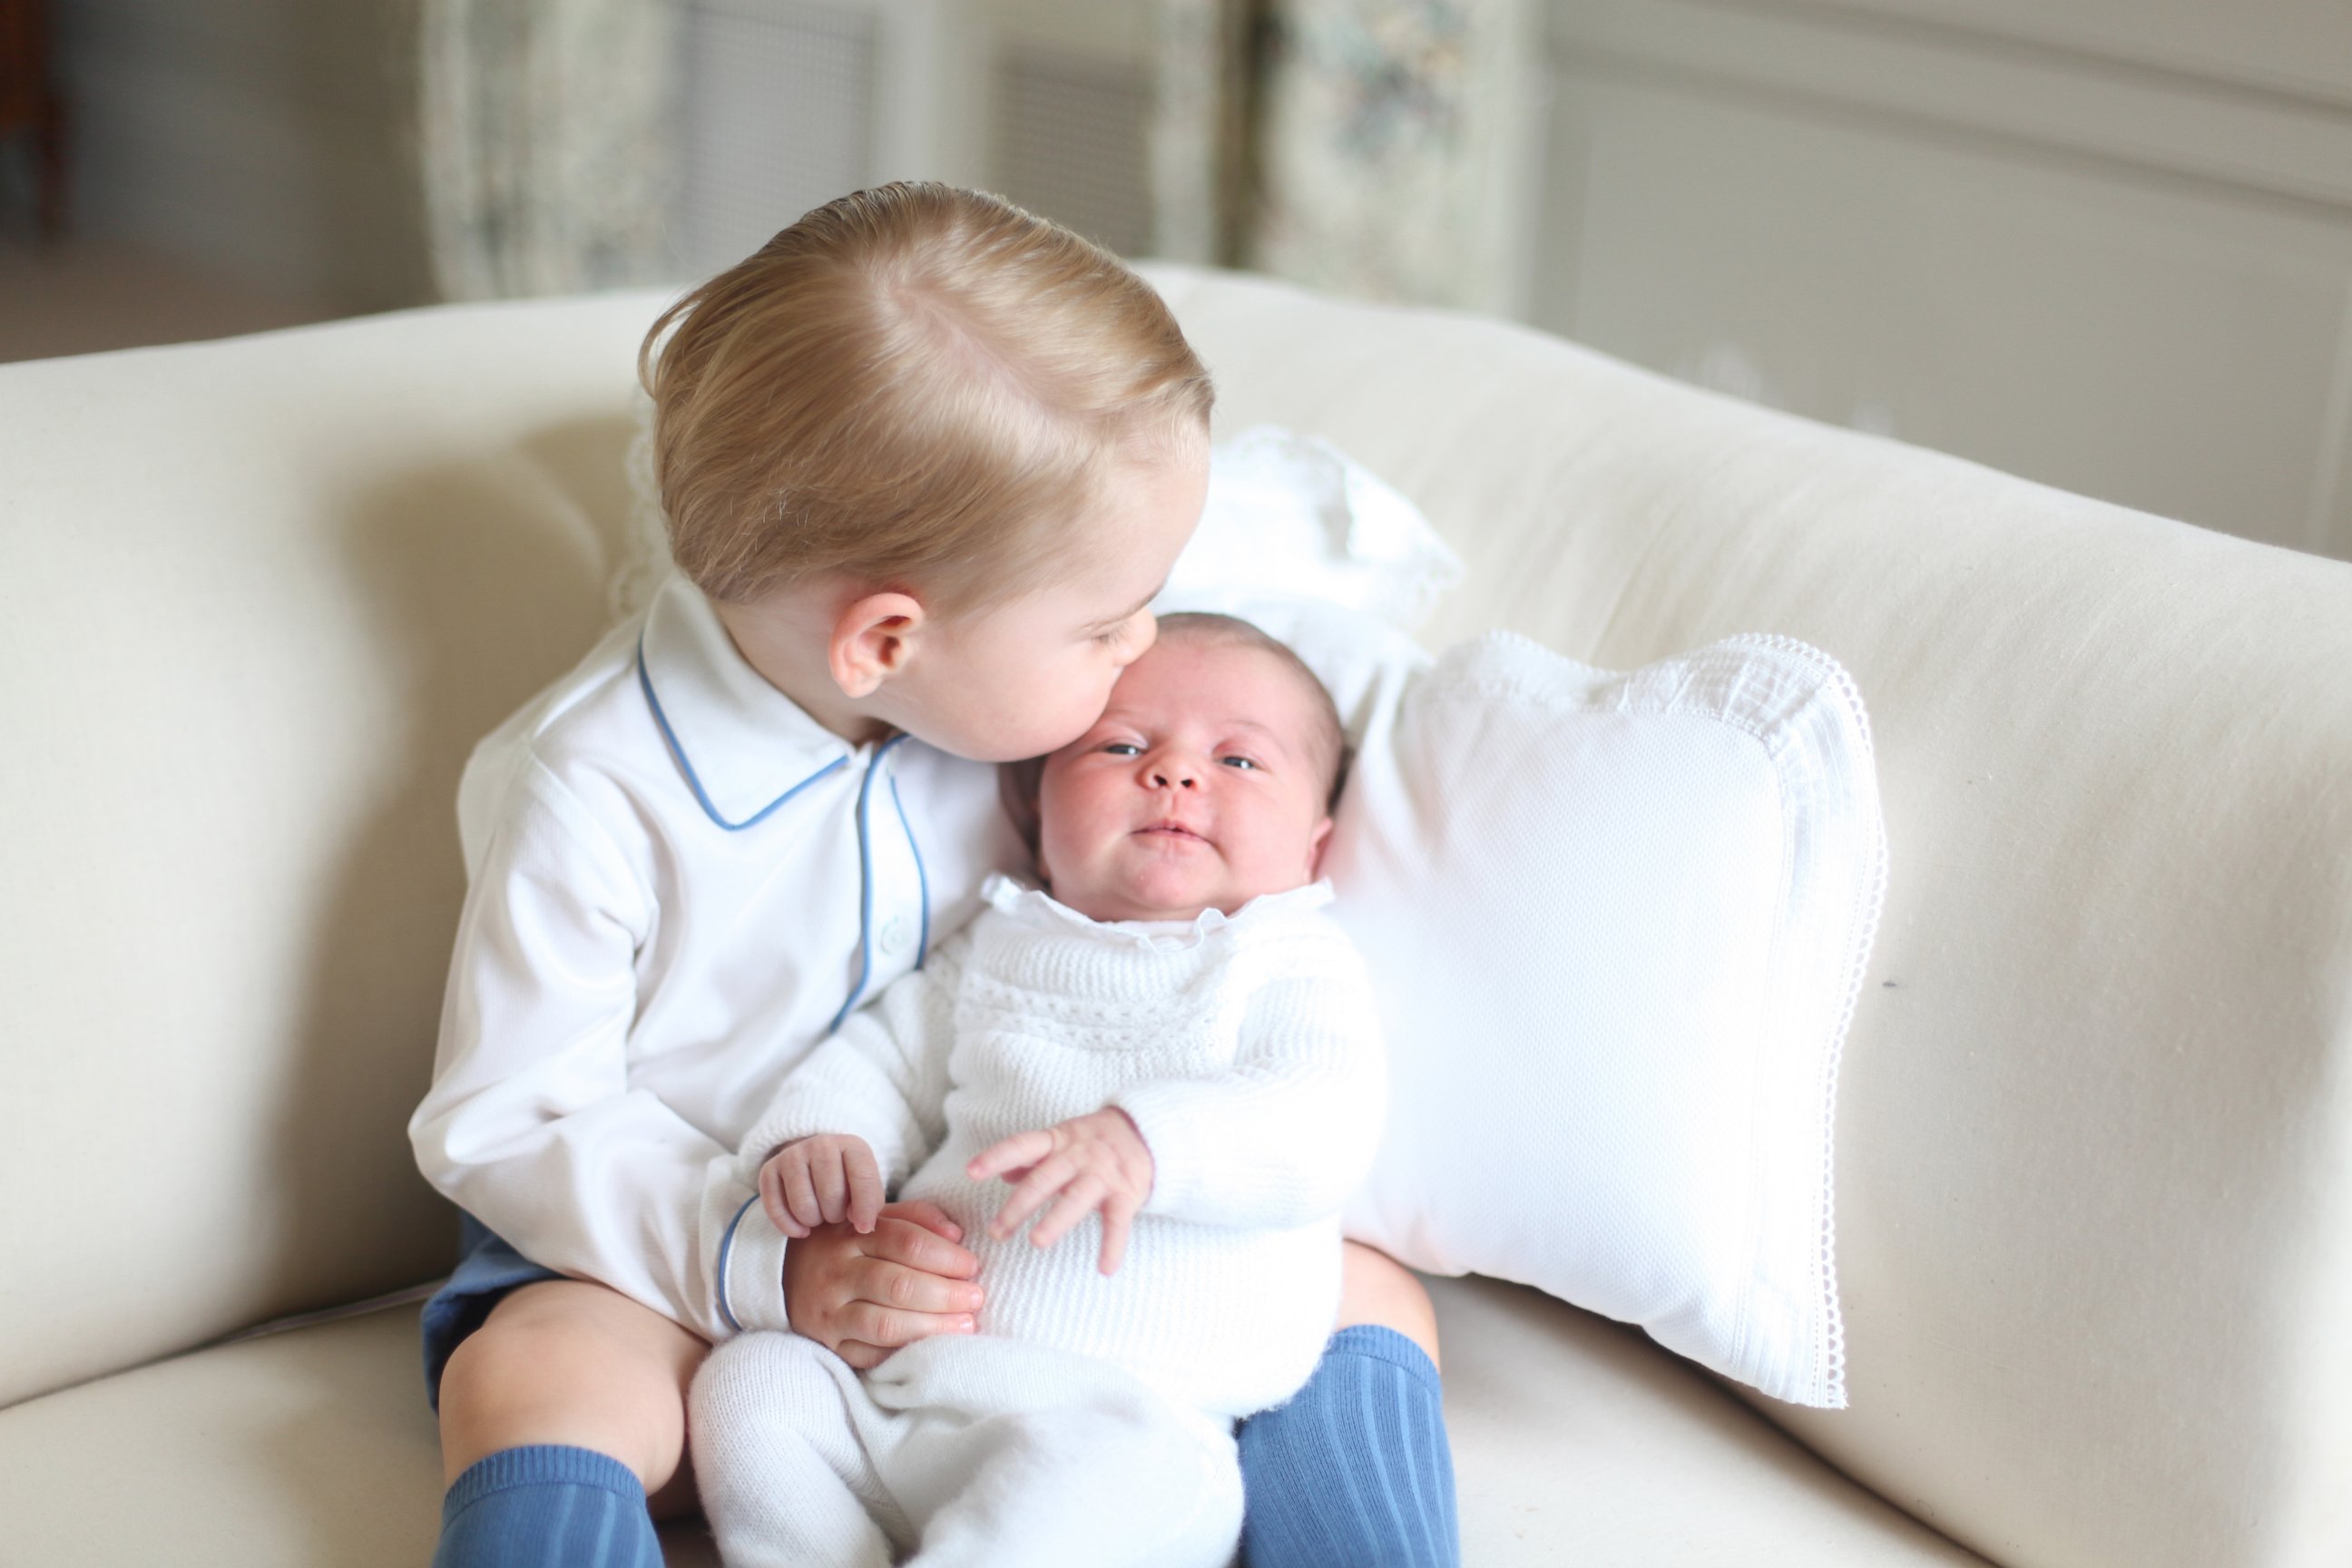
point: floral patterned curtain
(545, 138)
(1377, 148)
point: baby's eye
(1113, 636)
(1123, 749)
(1239, 762)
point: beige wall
(264, 140)
(1118, 30)
(2107, 244)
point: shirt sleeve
(1288, 1133)
(530, 1124)
(883, 1076)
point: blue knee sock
(546, 1507)
(1355, 1472)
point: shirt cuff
(751, 1270)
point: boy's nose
(1138, 642)
(1173, 776)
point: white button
(894, 936)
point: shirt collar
(742, 745)
(1035, 906)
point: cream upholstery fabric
(301, 1448)
(1575, 1442)
(257, 598)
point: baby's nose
(1174, 775)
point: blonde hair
(915, 386)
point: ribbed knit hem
(1381, 1343)
(542, 1464)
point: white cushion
(1617, 922)
(1292, 514)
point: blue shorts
(488, 1270)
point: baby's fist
(822, 1180)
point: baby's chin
(1157, 895)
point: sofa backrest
(258, 598)
(258, 601)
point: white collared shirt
(678, 883)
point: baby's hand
(1097, 1161)
(822, 1180)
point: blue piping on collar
(865, 849)
(922, 878)
(865, 881)
(694, 781)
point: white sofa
(259, 597)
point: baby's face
(1197, 789)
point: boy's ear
(1316, 846)
(873, 638)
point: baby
(1170, 1055)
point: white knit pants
(979, 1451)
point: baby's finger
(1079, 1199)
(865, 1186)
(1117, 1220)
(1050, 1177)
(779, 1213)
(832, 1186)
(772, 1199)
(1005, 1154)
(799, 1195)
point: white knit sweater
(1246, 1049)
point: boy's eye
(1117, 634)
(1238, 762)
(1124, 748)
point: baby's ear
(1316, 843)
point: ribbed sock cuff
(541, 1464)
(1380, 1342)
(526, 1508)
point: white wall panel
(2280, 45)
(2136, 286)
